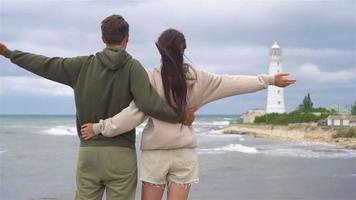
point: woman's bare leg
(178, 191)
(152, 191)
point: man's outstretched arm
(62, 70)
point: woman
(168, 150)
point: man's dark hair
(113, 29)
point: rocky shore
(295, 132)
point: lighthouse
(275, 97)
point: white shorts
(165, 166)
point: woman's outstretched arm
(128, 119)
(214, 87)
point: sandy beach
(294, 132)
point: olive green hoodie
(103, 84)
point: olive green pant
(110, 168)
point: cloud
(24, 85)
(255, 22)
(313, 72)
(64, 42)
(317, 38)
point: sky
(318, 41)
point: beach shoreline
(40, 154)
(294, 133)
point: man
(103, 84)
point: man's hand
(3, 48)
(190, 116)
(281, 81)
(87, 131)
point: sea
(38, 156)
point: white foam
(212, 123)
(229, 148)
(208, 151)
(238, 148)
(61, 130)
(221, 136)
(216, 131)
(311, 153)
(228, 118)
(219, 133)
(1, 152)
(221, 123)
(197, 130)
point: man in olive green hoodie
(103, 84)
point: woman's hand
(281, 81)
(190, 116)
(87, 131)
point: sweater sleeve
(61, 70)
(220, 86)
(128, 119)
(146, 97)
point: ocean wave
(61, 130)
(311, 153)
(197, 130)
(3, 151)
(212, 123)
(220, 131)
(229, 148)
(221, 123)
(293, 151)
(220, 135)
(238, 148)
(24, 126)
(228, 118)
(208, 151)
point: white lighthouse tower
(275, 97)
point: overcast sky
(318, 40)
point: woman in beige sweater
(168, 150)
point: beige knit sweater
(203, 87)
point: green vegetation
(353, 109)
(349, 133)
(307, 104)
(293, 117)
(304, 113)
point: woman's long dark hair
(171, 45)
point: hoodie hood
(113, 58)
